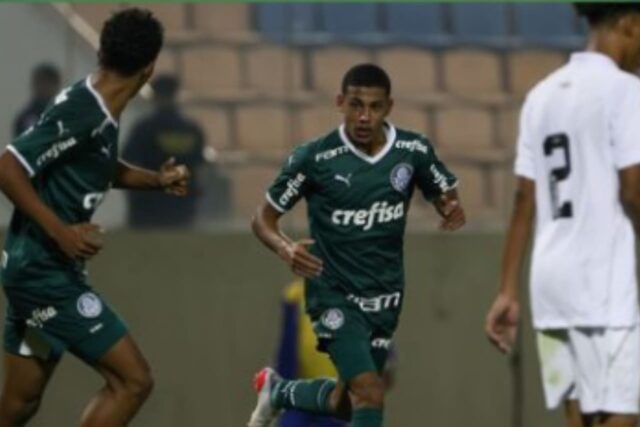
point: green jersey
(71, 156)
(357, 206)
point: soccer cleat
(264, 413)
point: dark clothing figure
(45, 84)
(164, 134)
(28, 116)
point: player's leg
(361, 364)
(25, 379)
(29, 361)
(616, 420)
(575, 418)
(320, 396)
(128, 384)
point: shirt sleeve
(625, 125)
(432, 176)
(525, 160)
(56, 133)
(292, 183)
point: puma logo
(346, 180)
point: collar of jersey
(389, 131)
(593, 58)
(98, 98)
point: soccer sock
(367, 417)
(306, 395)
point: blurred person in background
(165, 133)
(56, 174)
(299, 358)
(45, 84)
(578, 172)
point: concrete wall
(205, 309)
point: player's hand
(448, 206)
(174, 179)
(80, 241)
(502, 320)
(300, 260)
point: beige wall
(205, 310)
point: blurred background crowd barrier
(259, 79)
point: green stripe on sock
(305, 395)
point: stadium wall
(205, 309)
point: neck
(116, 91)
(606, 42)
(374, 147)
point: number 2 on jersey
(559, 141)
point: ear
(147, 72)
(391, 103)
(627, 25)
(340, 100)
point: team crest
(401, 176)
(333, 319)
(89, 305)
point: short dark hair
(368, 75)
(130, 40)
(45, 72)
(601, 13)
(166, 85)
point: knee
(141, 385)
(367, 391)
(138, 385)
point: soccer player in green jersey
(56, 174)
(358, 181)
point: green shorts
(356, 338)
(77, 320)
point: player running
(56, 174)
(358, 181)
(578, 168)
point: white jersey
(578, 127)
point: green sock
(367, 417)
(306, 395)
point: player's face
(365, 110)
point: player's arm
(449, 207)
(265, 226)
(171, 178)
(630, 194)
(502, 319)
(439, 186)
(76, 241)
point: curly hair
(601, 13)
(130, 40)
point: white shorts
(599, 367)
